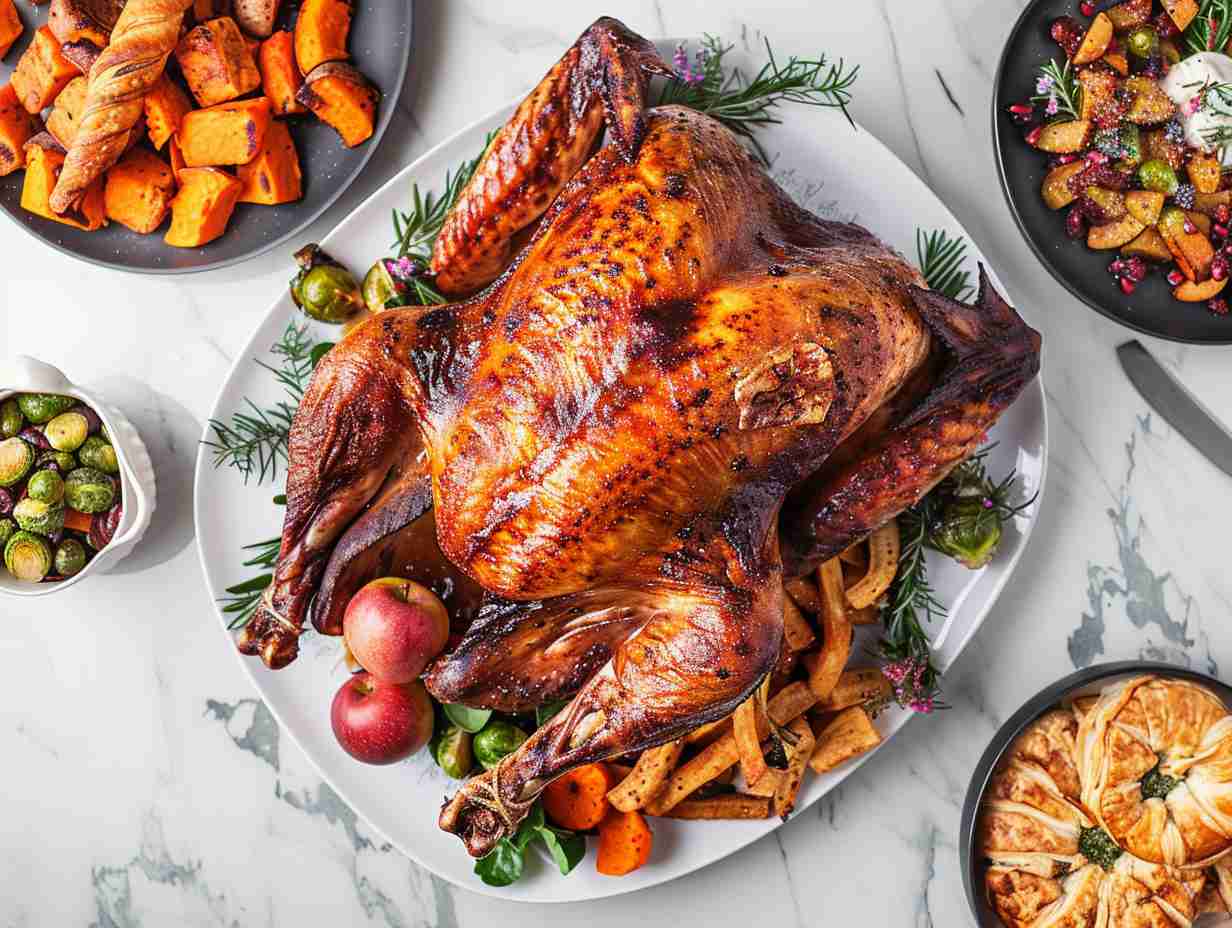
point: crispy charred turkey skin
(681, 389)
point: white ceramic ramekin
(23, 374)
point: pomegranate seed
(1087, 8)
(1220, 230)
(1032, 137)
(1222, 213)
(1128, 286)
(1219, 268)
(1219, 306)
(1058, 160)
(1021, 109)
(1175, 278)
(1189, 227)
(1135, 269)
(1096, 159)
(1075, 225)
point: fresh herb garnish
(255, 439)
(1096, 846)
(743, 105)
(1211, 29)
(1156, 785)
(1058, 89)
(505, 863)
(242, 599)
(1216, 98)
(940, 259)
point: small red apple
(381, 723)
(394, 627)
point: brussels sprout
(379, 287)
(39, 517)
(11, 419)
(1143, 42)
(497, 739)
(16, 459)
(93, 422)
(70, 557)
(8, 528)
(67, 431)
(100, 454)
(323, 288)
(27, 556)
(1156, 174)
(968, 532)
(43, 407)
(89, 490)
(59, 461)
(46, 487)
(452, 752)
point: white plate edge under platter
(680, 847)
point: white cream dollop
(1184, 83)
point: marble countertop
(145, 785)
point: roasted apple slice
(1191, 292)
(1182, 12)
(1149, 104)
(1209, 202)
(1064, 137)
(1149, 245)
(1204, 173)
(1096, 41)
(1056, 190)
(1144, 205)
(1114, 234)
(1192, 250)
(1129, 14)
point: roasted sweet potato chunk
(280, 77)
(216, 62)
(43, 164)
(81, 54)
(341, 96)
(202, 207)
(230, 133)
(16, 128)
(176, 157)
(1205, 173)
(256, 17)
(273, 176)
(1182, 12)
(10, 26)
(83, 20)
(166, 105)
(139, 190)
(1096, 41)
(210, 9)
(321, 31)
(42, 72)
(66, 111)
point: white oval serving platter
(836, 170)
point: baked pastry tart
(1154, 758)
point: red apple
(381, 723)
(394, 627)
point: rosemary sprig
(242, 599)
(255, 439)
(940, 259)
(1211, 29)
(1058, 89)
(745, 105)
(1214, 97)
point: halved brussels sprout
(36, 516)
(16, 459)
(497, 739)
(67, 431)
(8, 528)
(61, 461)
(11, 419)
(28, 556)
(968, 532)
(70, 557)
(452, 752)
(43, 407)
(89, 490)
(99, 453)
(46, 487)
(323, 288)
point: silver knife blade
(1180, 408)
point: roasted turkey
(663, 388)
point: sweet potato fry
(856, 555)
(748, 742)
(767, 784)
(855, 688)
(625, 841)
(705, 734)
(797, 633)
(849, 734)
(803, 592)
(835, 630)
(729, 806)
(648, 776)
(577, 800)
(883, 548)
(798, 758)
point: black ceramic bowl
(1089, 680)
(1083, 272)
(380, 45)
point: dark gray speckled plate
(380, 46)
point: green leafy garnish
(1096, 846)
(1156, 785)
(745, 105)
(1211, 29)
(1063, 99)
(255, 439)
(505, 863)
(940, 259)
(466, 718)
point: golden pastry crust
(1179, 730)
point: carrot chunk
(625, 841)
(578, 800)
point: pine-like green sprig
(940, 259)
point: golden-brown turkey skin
(592, 404)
